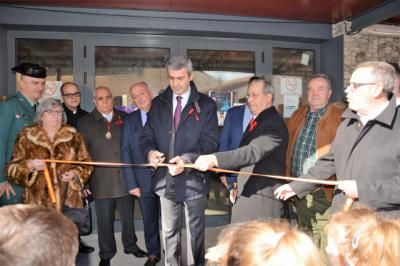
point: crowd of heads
(358, 237)
(263, 243)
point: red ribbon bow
(253, 124)
(191, 111)
(119, 122)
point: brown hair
(261, 243)
(363, 238)
(33, 235)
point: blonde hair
(261, 243)
(36, 235)
(363, 238)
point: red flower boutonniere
(191, 111)
(119, 122)
(252, 125)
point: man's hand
(349, 187)
(284, 192)
(223, 180)
(36, 165)
(87, 192)
(177, 168)
(135, 192)
(205, 162)
(7, 188)
(156, 157)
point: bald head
(103, 100)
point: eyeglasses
(72, 95)
(354, 85)
(54, 112)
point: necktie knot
(179, 99)
(34, 107)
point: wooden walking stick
(347, 204)
(49, 185)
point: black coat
(265, 147)
(197, 134)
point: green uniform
(15, 113)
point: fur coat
(32, 143)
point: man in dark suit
(263, 145)
(181, 125)
(138, 180)
(101, 130)
(71, 97)
(17, 112)
(235, 124)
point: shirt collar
(364, 119)
(185, 98)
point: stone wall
(364, 47)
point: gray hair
(179, 62)
(382, 72)
(268, 88)
(322, 76)
(47, 105)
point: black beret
(31, 70)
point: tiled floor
(122, 259)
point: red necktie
(178, 110)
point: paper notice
(290, 104)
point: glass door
(222, 69)
(119, 62)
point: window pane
(291, 70)
(55, 55)
(120, 67)
(216, 70)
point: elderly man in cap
(17, 112)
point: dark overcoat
(264, 146)
(106, 182)
(131, 153)
(197, 134)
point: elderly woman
(49, 138)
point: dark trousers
(150, 207)
(105, 212)
(171, 220)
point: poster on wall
(52, 90)
(223, 100)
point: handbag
(80, 216)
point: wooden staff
(49, 185)
(347, 204)
(218, 170)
